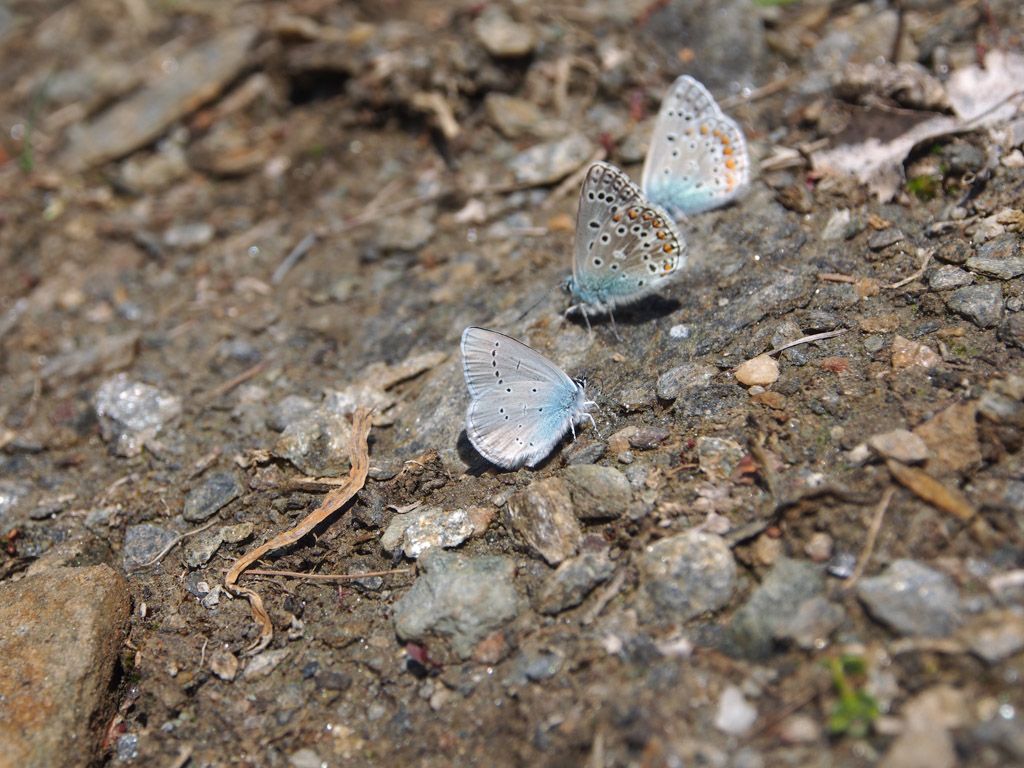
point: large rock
(60, 633)
(543, 519)
(686, 575)
(773, 606)
(461, 599)
(913, 599)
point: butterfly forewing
(522, 403)
(698, 157)
(625, 246)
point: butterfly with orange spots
(697, 159)
(626, 247)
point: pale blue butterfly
(521, 404)
(626, 248)
(697, 159)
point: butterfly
(626, 248)
(521, 404)
(697, 159)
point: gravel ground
(226, 227)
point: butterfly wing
(698, 156)
(521, 403)
(626, 248)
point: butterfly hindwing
(698, 157)
(626, 248)
(521, 403)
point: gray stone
(676, 381)
(1011, 330)
(501, 36)
(143, 542)
(999, 248)
(953, 251)
(715, 30)
(11, 495)
(534, 664)
(884, 238)
(542, 518)
(553, 161)
(572, 581)
(815, 621)
(981, 304)
(290, 408)
(200, 548)
(1003, 269)
(773, 605)
(425, 528)
(218, 490)
(132, 414)
(61, 631)
(108, 354)
(948, 277)
(912, 599)
(460, 599)
(874, 343)
(407, 233)
(199, 76)
(318, 444)
(598, 493)
(686, 575)
(996, 635)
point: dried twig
(869, 543)
(769, 89)
(920, 272)
(949, 500)
(177, 540)
(335, 500)
(836, 277)
(293, 258)
(230, 384)
(604, 597)
(808, 340)
(325, 576)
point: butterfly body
(626, 248)
(698, 157)
(521, 404)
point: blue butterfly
(697, 159)
(626, 248)
(521, 404)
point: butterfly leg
(615, 330)
(582, 310)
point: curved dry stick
(335, 500)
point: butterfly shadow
(651, 308)
(476, 464)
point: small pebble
(761, 370)
(735, 715)
(900, 444)
(819, 547)
(907, 353)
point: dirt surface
(224, 226)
